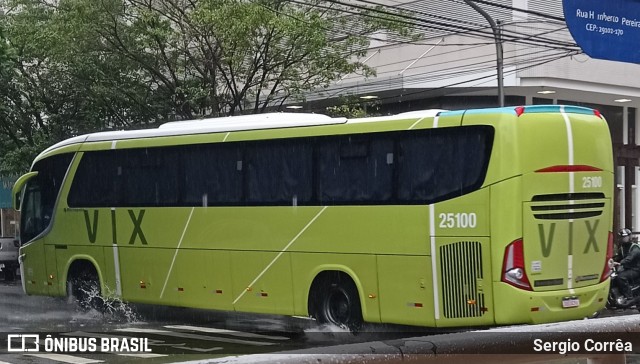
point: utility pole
(499, 54)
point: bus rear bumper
(519, 306)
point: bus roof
(233, 123)
(286, 120)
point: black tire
(83, 288)
(612, 299)
(339, 304)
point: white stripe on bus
(116, 266)
(184, 335)
(176, 253)
(116, 263)
(434, 271)
(280, 254)
(113, 144)
(571, 161)
(570, 274)
(417, 122)
(225, 137)
(432, 233)
(66, 358)
(224, 331)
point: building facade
(453, 66)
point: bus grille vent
(461, 267)
(567, 206)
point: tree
(87, 65)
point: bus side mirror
(16, 191)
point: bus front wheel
(337, 302)
(83, 286)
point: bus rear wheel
(338, 303)
(83, 286)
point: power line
(484, 79)
(452, 27)
(526, 11)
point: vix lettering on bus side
(92, 226)
(546, 237)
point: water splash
(109, 305)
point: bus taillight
(513, 272)
(608, 262)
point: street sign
(5, 191)
(605, 29)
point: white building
(453, 66)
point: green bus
(431, 218)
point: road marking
(176, 253)
(142, 355)
(66, 358)
(101, 335)
(200, 350)
(184, 335)
(280, 254)
(228, 332)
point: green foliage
(78, 66)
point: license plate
(570, 302)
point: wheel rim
(337, 307)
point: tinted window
(355, 169)
(402, 167)
(279, 173)
(213, 175)
(96, 180)
(127, 177)
(442, 164)
(149, 177)
(41, 193)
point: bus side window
(212, 175)
(95, 181)
(280, 173)
(353, 170)
(149, 177)
(441, 164)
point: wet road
(173, 334)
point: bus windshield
(40, 195)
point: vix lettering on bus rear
(137, 233)
(547, 235)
